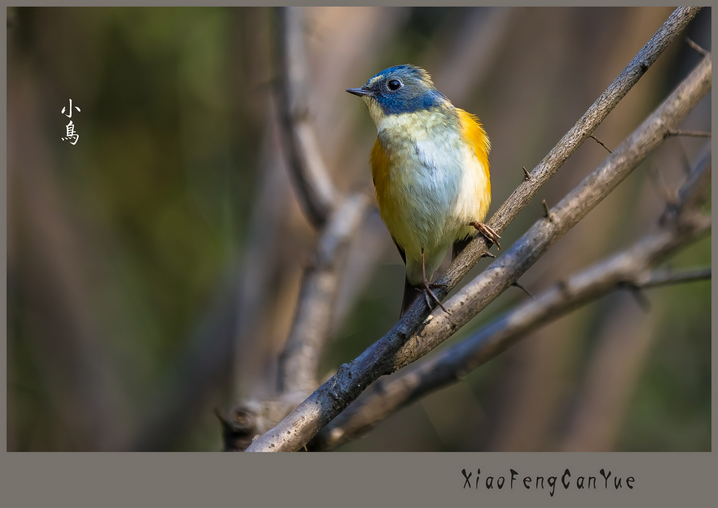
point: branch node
(488, 255)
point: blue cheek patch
(396, 104)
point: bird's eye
(394, 85)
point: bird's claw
(488, 233)
(429, 293)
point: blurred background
(153, 267)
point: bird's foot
(488, 233)
(429, 293)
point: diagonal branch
(570, 142)
(498, 276)
(351, 379)
(629, 268)
(454, 364)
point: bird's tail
(411, 293)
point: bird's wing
(411, 293)
(458, 246)
(401, 251)
(380, 175)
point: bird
(430, 167)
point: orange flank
(416, 216)
(475, 135)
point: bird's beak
(359, 91)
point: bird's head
(399, 89)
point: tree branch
(387, 397)
(300, 360)
(351, 379)
(314, 186)
(337, 219)
(629, 268)
(570, 142)
(476, 295)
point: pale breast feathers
(431, 179)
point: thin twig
(351, 379)
(516, 284)
(600, 142)
(547, 213)
(660, 278)
(696, 47)
(694, 134)
(527, 175)
(693, 191)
